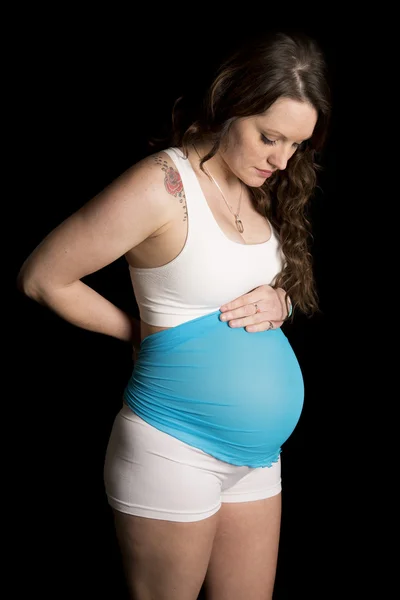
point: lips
(264, 173)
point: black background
(86, 93)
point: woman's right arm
(128, 211)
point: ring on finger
(256, 307)
(271, 325)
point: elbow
(27, 284)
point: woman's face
(259, 145)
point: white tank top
(211, 269)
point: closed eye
(269, 142)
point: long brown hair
(247, 83)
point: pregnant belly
(236, 395)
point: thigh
(148, 473)
(245, 550)
(165, 501)
(164, 559)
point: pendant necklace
(238, 221)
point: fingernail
(223, 317)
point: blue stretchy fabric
(235, 395)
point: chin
(256, 182)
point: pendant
(239, 224)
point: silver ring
(256, 307)
(271, 325)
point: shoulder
(142, 194)
(154, 180)
(147, 180)
(148, 190)
(158, 170)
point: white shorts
(149, 473)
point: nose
(279, 157)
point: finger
(248, 310)
(263, 326)
(239, 302)
(254, 319)
(257, 328)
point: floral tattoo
(173, 183)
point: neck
(235, 211)
(217, 167)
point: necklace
(238, 222)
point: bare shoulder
(144, 194)
(154, 188)
(158, 172)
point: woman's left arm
(261, 309)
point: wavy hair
(290, 65)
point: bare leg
(245, 550)
(164, 560)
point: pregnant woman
(214, 231)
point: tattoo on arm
(173, 183)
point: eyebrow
(281, 134)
